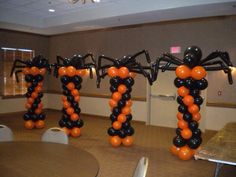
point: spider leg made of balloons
(18, 66)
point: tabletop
(41, 159)
(222, 147)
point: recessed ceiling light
(96, 0)
(51, 10)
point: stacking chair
(141, 168)
(5, 133)
(55, 135)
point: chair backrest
(141, 168)
(5, 133)
(55, 135)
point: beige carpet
(150, 141)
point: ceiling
(33, 15)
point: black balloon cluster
(34, 71)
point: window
(9, 55)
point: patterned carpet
(150, 141)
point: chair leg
(217, 170)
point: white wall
(215, 117)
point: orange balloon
(186, 133)
(132, 74)
(70, 111)
(27, 105)
(40, 124)
(40, 105)
(188, 100)
(63, 98)
(122, 88)
(34, 70)
(40, 84)
(74, 117)
(129, 103)
(38, 111)
(116, 96)
(123, 72)
(62, 71)
(66, 104)
(198, 72)
(185, 153)
(183, 71)
(112, 71)
(75, 92)
(193, 109)
(116, 125)
(75, 132)
(77, 98)
(174, 150)
(112, 103)
(38, 89)
(196, 116)
(80, 72)
(30, 100)
(66, 130)
(115, 141)
(70, 86)
(29, 124)
(34, 94)
(42, 71)
(126, 110)
(183, 91)
(26, 70)
(121, 118)
(182, 124)
(179, 116)
(127, 141)
(71, 71)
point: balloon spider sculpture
(122, 72)
(71, 72)
(34, 71)
(190, 80)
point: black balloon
(26, 116)
(197, 133)
(178, 141)
(79, 123)
(28, 78)
(116, 111)
(187, 116)
(129, 131)
(198, 100)
(126, 124)
(195, 51)
(126, 96)
(65, 80)
(193, 125)
(121, 103)
(194, 92)
(182, 108)
(77, 110)
(194, 142)
(202, 84)
(69, 124)
(115, 81)
(129, 117)
(39, 78)
(77, 79)
(41, 116)
(178, 131)
(179, 82)
(129, 81)
(111, 131)
(122, 133)
(189, 83)
(113, 88)
(180, 100)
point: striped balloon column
(121, 130)
(34, 117)
(190, 81)
(71, 80)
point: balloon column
(190, 81)
(121, 72)
(34, 71)
(71, 72)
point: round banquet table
(41, 159)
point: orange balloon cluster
(34, 71)
(122, 72)
(71, 71)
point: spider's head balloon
(40, 62)
(77, 61)
(192, 56)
